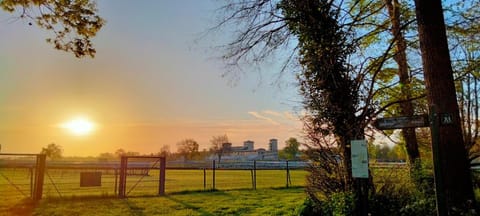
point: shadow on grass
(190, 206)
(134, 209)
(23, 207)
(213, 191)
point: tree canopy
(74, 22)
(53, 151)
(188, 148)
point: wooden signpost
(434, 122)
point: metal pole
(204, 179)
(255, 175)
(213, 170)
(116, 181)
(161, 180)
(437, 166)
(31, 181)
(288, 174)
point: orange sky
(152, 83)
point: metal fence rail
(64, 178)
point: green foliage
(329, 90)
(291, 149)
(385, 153)
(338, 204)
(53, 151)
(73, 22)
(398, 194)
(401, 201)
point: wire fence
(17, 176)
(71, 178)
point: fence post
(161, 180)
(39, 177)
(255, 175)
(31, 181)
(115, 189)
(123, 177)
(288, 174)
(204, 178)
(213, 170)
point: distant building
(248, 145)
(273, 145)
(248, 151)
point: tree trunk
(441, 96)
(406, 108)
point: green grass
(66, 183)
(234, 202)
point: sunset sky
(153, 82)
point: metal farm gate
(21, 176)
(141, 176)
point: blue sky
(153, 82)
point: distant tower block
(248, 145)
(273, 145)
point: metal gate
(22, 176)
(141, 176)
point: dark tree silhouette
(53, 151)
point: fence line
(63, 178)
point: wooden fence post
(123, 177)
(39, 177)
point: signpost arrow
(402, 122)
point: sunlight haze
(155, 81)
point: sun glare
(79, 126)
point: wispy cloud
(273, 113)
(290, 116)
(283, 115)
(259, 116)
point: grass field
(232, 202)
(64, 183)
(61, 187)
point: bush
(340, 203)
(405, 195)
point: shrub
(340, 203)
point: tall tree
(405, 79)
(74, 23)
(339, 88)
(53, 151)
(441, 96)
(463, 30)
(291, 148)
(331, 92)
(164, 151)
(218, 147)
(188, 148)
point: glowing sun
(79, 126)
